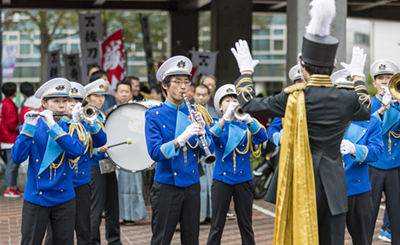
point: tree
(50, 25)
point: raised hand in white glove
(191, 130)
(47, 117)
(387, 97)
(346, 147)
(243, 56)
(229, 111)
(30, 119)
(76, 113)
(356, 66)
(248, 119)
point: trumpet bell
(394, 86)
(239, 114)
(90, 112)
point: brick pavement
(263, 225)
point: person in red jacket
(9, 125)
(30, 103)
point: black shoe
(128, 222)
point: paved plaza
(263, 224)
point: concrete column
(230, 21)
(184, 32)
(297, 19)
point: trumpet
(210, 158)
(394, 88)
(89, 112)
(239, 114)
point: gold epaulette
(207, 118)
(294, 88)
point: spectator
(156, 93)
(93, 69)
(109, 99)
(211, 82)
(30, 102)
(190, 93)
(9, 130)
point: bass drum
(125, 122)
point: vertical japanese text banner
(91, 33)
(151, 74)
(113, 59)
(53, 64)
(204, 63)
(8, 60)
(73, 68)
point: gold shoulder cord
(81, 135)
(256, 153)
(207, 118)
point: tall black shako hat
(319, 48)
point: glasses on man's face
(179, 82)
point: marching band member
(94, 136)
(384, 174)
(49, 144)
(362, 144)
(104, 186)
(173, 144)
(311, 196)
(232, 172)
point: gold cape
(296, 219)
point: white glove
(356, 67)
(243, 56)
(229, 111)
(31, 120)
(387, 98)
(191, 130)
(47, 117)
(346, 147)
(248, 119)
(76, 113)
(90, 123)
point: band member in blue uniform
(104, 186)
(173, 143)
(385, 173)
(49, 144)
(274, 130)
(94, 136)
(232, 173)
(362, 143)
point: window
(75, 36)
(261, 45)
(278, 44)
(24, 37)
(269, 70)
(24, 49)
(361, 38)
(278, 32)
(4, 37)
(36, 49)
(36, 37)
(74, 48)
(12, 37)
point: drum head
(127, 122)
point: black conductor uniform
(329, 111)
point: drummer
(104, 186)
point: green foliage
(255, 161)
(371, 88)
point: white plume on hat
(322, 13)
